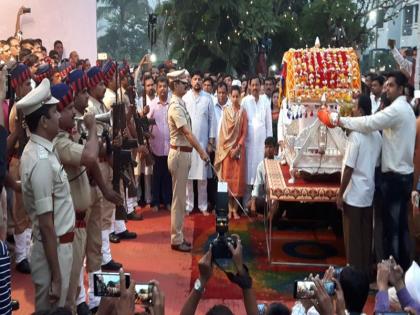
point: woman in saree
(230, 160)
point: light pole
(151, 30)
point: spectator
(14, 47)
(269, 85)
(390, 272)
(58, 47)
(5, 284)
(230, 160)
(376, 92)
(201, 109)
(399, 131)
(355, 287)
(5, 52)
(227, 78)
(257, 203)
(242, 279)
(27, 44)
(355, 196)
(277, 309)
(74, 57)
(159, 144)
(260, 127)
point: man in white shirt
(222, 100)
(201, 109)
(260, 127)
(398, 123)
(208, 85)
(143, 107)
(357, 188)
(407, 66)
(269, 86)
(376, 88)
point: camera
(220, 249)
(26, 10)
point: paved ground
(148, 257)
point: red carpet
(270, 282)
(150, 257)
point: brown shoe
(183, 247)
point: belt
(181, 148)
(80, 219)
(66, 238)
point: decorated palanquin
(316, 77)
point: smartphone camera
(108, 284)
(144, 294)
(306, 289)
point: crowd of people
(62, 202)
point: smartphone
(108, 283)
(26, 10)
(306, 289)
(144, 294)
(417, 94)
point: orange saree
(233, 131)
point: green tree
(126, 28)
(222, 35)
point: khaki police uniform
(93, 219)
(46, 189)
(179, 162)
(95, 107)
(70, 154)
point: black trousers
(161, 182)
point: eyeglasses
(184, 83)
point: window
(409, 16)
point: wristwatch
(198, 286)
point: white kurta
(259, 128)
(201, 110)
(142, 167)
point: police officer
(182, 142)
(46, 196)
(77, 158)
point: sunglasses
(184, 83)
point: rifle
(142, 126)
(122, 163)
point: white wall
(71, 21)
